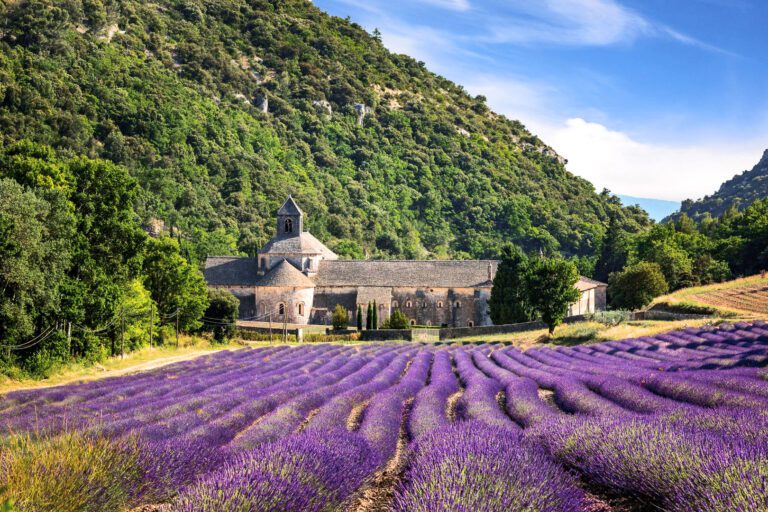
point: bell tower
(290, 219)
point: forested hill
(220, 108)
(740, 191)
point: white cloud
(454, 5)
(613, 159)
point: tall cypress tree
(375, 316)
(369, 317)
(509, 300)
(359, 317)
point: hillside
(221, 108)
(740, 191)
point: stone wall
(488, 330)
(269, 298)
(443, 306)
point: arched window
(413, 322)
(263, 307)
(301, 309)
(382, 307)
(288, 226)
(281, 309)
(395, 304)
(458, 304)
(263, 263)
(471, 324)
(424, 305)
(429, 323)
(408, 304)
(440, 304)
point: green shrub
(72, 472)
(221, 315)
(611, 318)
(398, 320)
(636, 286)
(340, 317)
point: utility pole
(122, 334)
(69, 338)
(151, 321)
(177, 329)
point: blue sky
(654, 98)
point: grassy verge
(142, 359)
(691, 298)
(589, 332)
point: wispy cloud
(580, 23)
(454, 5)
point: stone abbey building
(297, 279)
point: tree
(359, 317)
(614, 252)
(551, 288)
(175, 285)
(398, 320)
(636, 286)
(369, 317)
(509, 301)
(375, 316)
(34, 256)
(221, 315)
(340, 317)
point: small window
(395, 304)
(281, 309)
(263, 307)
(424, 306)
(263, 263)
(429, 323)
(301, 309)
(471, 324)
(458, 304)
(288, 226)
(413, 322)
(440, 304)
(408, 304)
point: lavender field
(675, 422)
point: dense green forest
(174, 90)
(738, 192)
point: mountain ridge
(738, 192)
(222, 108)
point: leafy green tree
(614, 252)
(359, 317)
(551, 288)
(175, 285)
(221, 315)
(509, 302)
(136, 306)
(636, 286)
(340, 317)
(398, 320)
(34, 256)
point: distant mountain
(740, 191)
(657, 208)
(221, 108)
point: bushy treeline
(683, 253)
(173, 91)
(79, 278)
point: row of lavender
(678, 420)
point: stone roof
(290, 208)
(586, 283)
(403, 273)
(304, 243)
(285, 274)
(230, 271)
